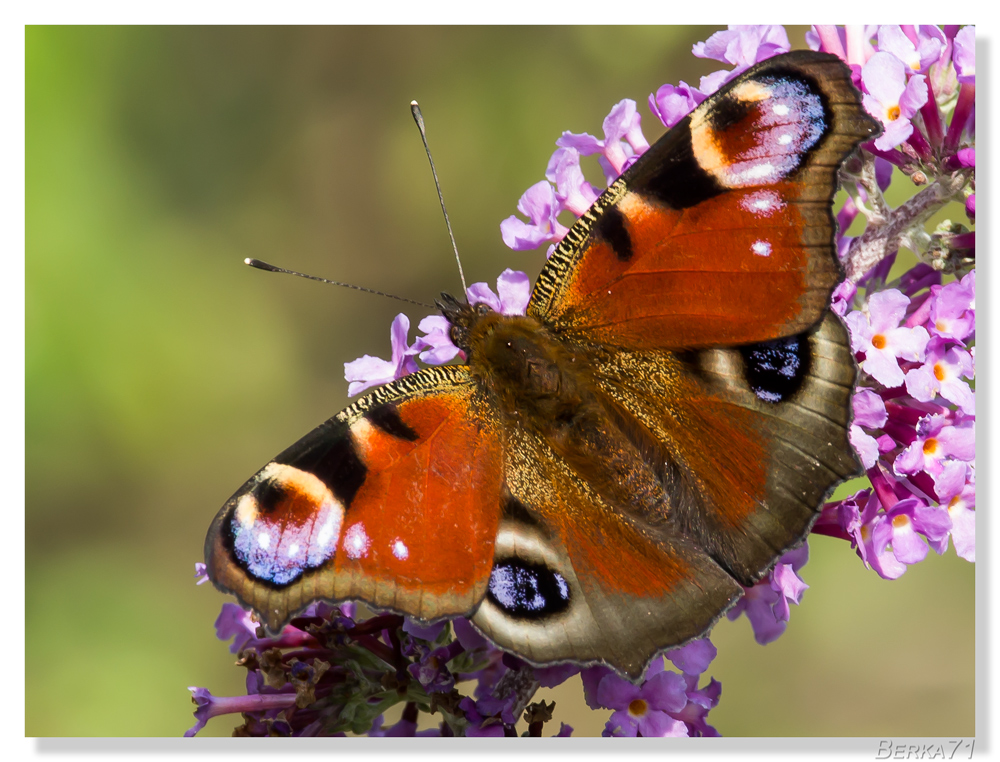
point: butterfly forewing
(394, 501)
(721, 233)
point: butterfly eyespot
(288, 524)
(527, 590)
(775, 370)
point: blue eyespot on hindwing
(527, 590)
(775, 370)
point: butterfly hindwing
(394, 501)
(631, 528)
(721, 233)
(754, 438)
(577, 579)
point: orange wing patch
(749, 473)
(699, 274)
(426, 516)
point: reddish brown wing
(752, 438)
(721, 233)
(395, 501)
(576, 578)
(744, 441)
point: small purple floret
(210, 706)
(766, 603)
(672, 103)
(965, 55)
(540, 205)
(890, 98)
(882, 341)
(368, 371)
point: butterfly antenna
(419, 119)
(272, 269)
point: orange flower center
(893, 113)
(637, 708)
(930, 446)
(878, 341)
(938, 371)
(900, 521)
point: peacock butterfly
(602, 476)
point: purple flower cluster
(916, 440)
(766, 603)
(435, 346)
(910, 71)
(664, 703)
(330, 672)
(913, 336)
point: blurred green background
(161, 372)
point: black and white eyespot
(527, 590)
(775, 370)
(289, 523)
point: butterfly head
(463, 318)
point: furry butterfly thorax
(605, 474)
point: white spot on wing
(326, 532)
(765, 170)
(761, 248)
(356, 541)
(399, 550)
(263, 540)
(563, 587)
(781, 109)
(762, 203)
